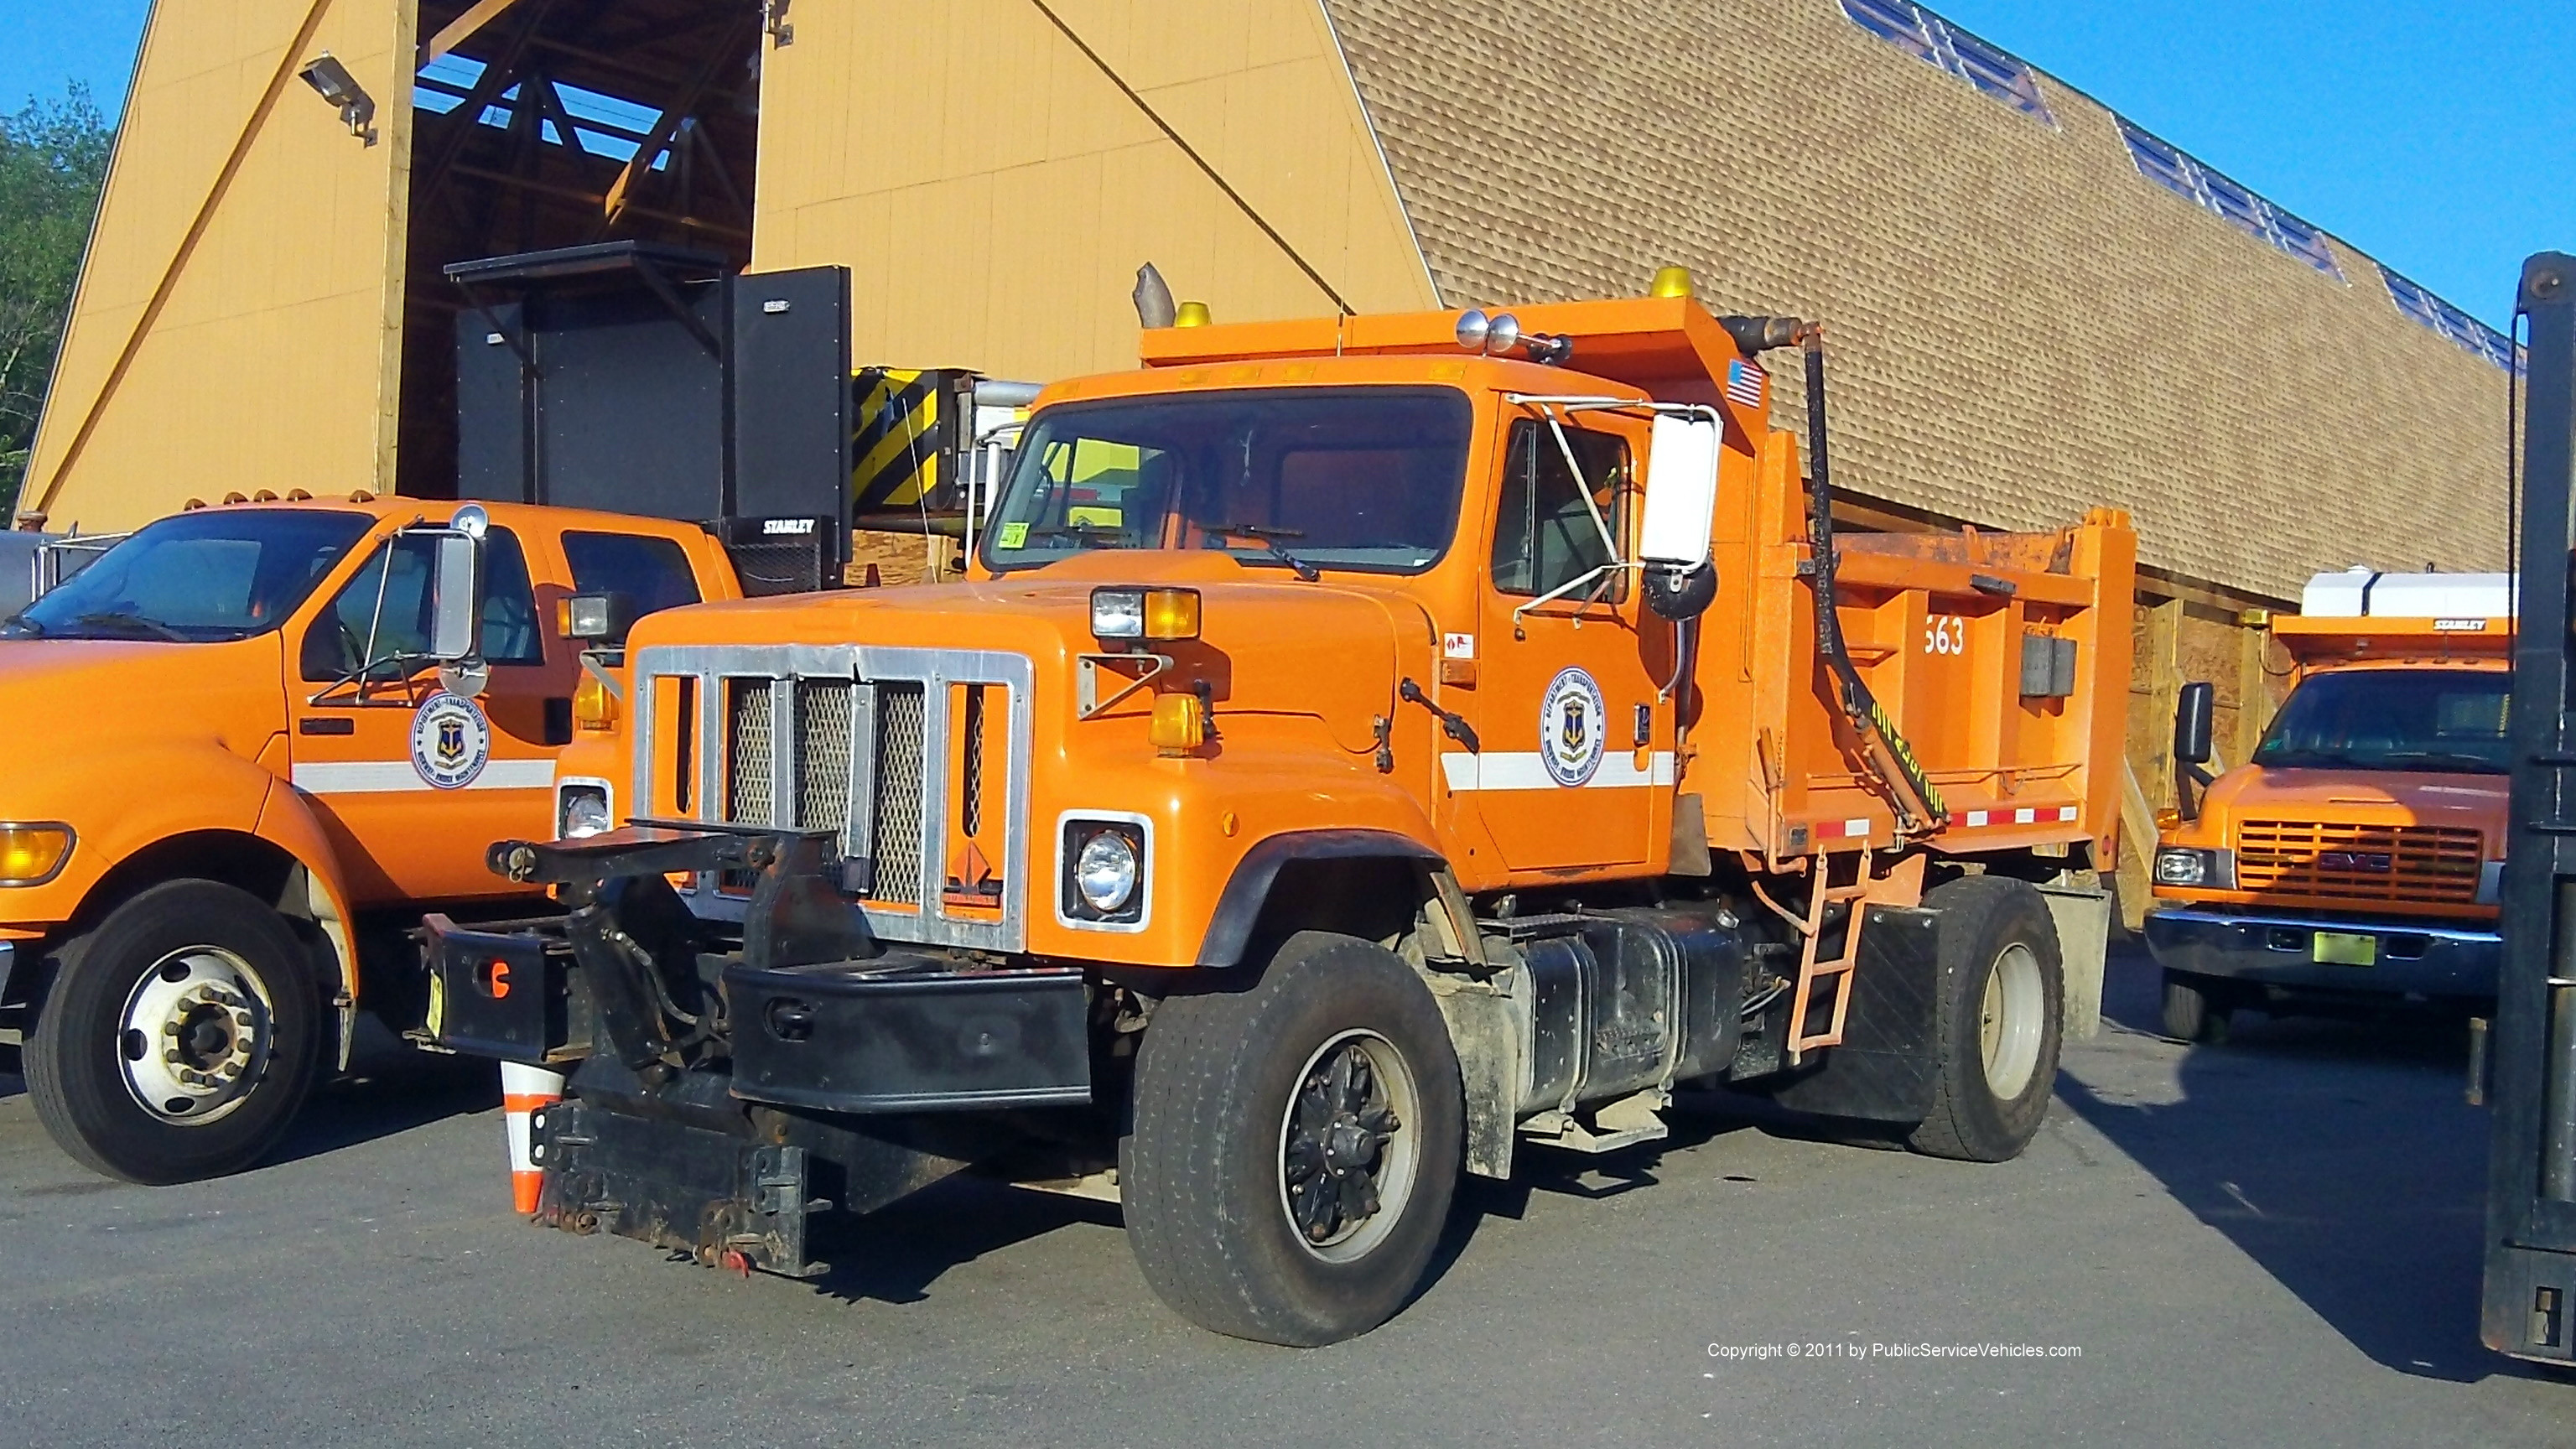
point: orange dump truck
(1366, 746)
(2356, 859)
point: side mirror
(456, 596)
(2193, 723)
(1680, 513)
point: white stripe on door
(383, 777)
(1512, 770)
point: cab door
(411, 781)
(1574, 741)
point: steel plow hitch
(644, 848)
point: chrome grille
(2358, 862)
(901, 733)
(751, 777)
(823, 755)
(892, 750)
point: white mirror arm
(1602, 572)
(376, 622)
(1582, 485)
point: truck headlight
(2182, 865)
(582, 810)
(1104, 873)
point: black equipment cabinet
(2530, 1297)
(651, 380)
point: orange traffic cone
(524, 1089)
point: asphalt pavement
(2269, 1242)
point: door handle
(326, 724)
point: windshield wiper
(1268, 538)
(2478, 763)
(131, 624)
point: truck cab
(252, 739)
(2355, 861)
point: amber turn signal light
(1145, 614)
(1180, 724)
(594, 706)
(33, 854)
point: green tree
(53, 159)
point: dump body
(2360, 851)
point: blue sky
(2417, 130)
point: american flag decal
(1743, 383)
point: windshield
(200, 577)
(1349, 478)
(2393, 719)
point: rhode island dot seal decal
(1573, 727)
(451, 741)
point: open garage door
(544, 124)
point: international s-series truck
(255, 740)
(1367, 745)
(2355, 861)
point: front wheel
(178, 1039)
(1998, 1021)
(1295, 1146)
(2192, 1010)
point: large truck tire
(2193, 1010)
(1295, 1146)
(178, 1038)
(1999, 1020)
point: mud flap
(1885, 1068)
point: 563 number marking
(1945, 634)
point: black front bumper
(723, 1088)
(2272, 951)
(899, 1033)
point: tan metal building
(2033, 309)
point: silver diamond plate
(823, 755)
(898, 806)
(750, 774)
